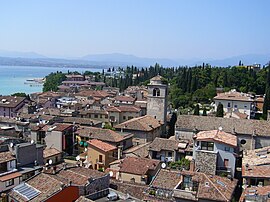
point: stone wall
(206, 162)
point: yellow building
(100, 154)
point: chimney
(192, 165)
(119, 152)
(54, 170)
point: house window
(124, 117)
(100, 116)
(9, 182)
(227, 149)
(130, 117)
(169, 154)
(96, 116)
(100, 158)
(209, 146)
(235, 106)
(229, 105)
(226, 163)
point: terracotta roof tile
(218, 136)
(48, 152)
(229, 125)
(143, 123)
(123, 109)
(6, 156)
(255, 193)
(102, 134)
(233, 95)
(125, 99)
(10, 176)
(102, 145)
(138, 166)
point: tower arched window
(156, 92)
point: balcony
(100, 162)
(185, 194)
(224, 171)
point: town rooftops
(125, 99)
(218, 136)
(163, 144)
(92, 93)
(44, 185)
(138, 166)
(48, 152)
(256, 163)
(234, 95)
(210, 187)
(81, 121)
(102, 134)
(6, 157)
(143, 123)
(255, 193)
(60, 127)
(229, 125)
(101, 145)
(123, 109)
(11, 101)
(138, 150)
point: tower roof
(156, 80)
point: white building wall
(231, 105)
(54, 139)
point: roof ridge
(215, 186)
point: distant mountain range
(117, 59)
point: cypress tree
(220, 111)
(266, 103)
(197, 110)
(204, 112)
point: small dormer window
(156, 92)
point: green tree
(53, 80)
(172, 122)
(266, 103)
(204, 112)
(220, 111)
(19, 94)
(197, 110)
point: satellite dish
(85, 149)
(32, 141)
(163, 165)
(111, 173)
(220, 128)
(50, 162)
(11, 145)
(78, 158)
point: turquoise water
(12, 78)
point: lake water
(12, 78)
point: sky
(145, 28)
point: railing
(178, 193)
(8, 172)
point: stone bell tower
(157, 99)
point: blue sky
(146, 28)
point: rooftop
(210, 187)
(101, 145)
(6, 157)
(229, 125)
(138, 166)
(143, 123)
(11, 101)
(218, 136)
(48, 152)
(234, 95)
